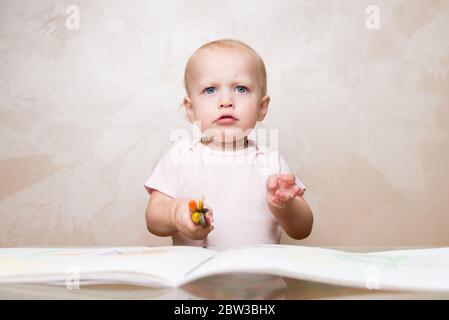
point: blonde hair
(229, 43)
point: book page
(151, 266)
(416, 270)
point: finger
(211, 215)
(277, 201)
(295, 189)
(202, 233)
(272, 182)
(209, 218)
(298, 191)
(288, 178)
(208, 212)
(210, 228)
(280, 194)
(285, 195)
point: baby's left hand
(282, 189)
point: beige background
(85, 114)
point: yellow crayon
(196, 217)
(200, 204)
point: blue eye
(210, 90)
(241, 89)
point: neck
(228, 146)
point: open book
(173, 266)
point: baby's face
(225, 81)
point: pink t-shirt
(233, 184)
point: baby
(249, 189)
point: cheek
(205, 114)
(200, 107)
(249, 108)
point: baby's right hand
(185, 225)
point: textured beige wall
(85, 113)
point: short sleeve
(285, 168)
(166, 176)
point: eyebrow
(245, 82)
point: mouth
(226, 119)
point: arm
(295, 218)
(160, 214)
(287, 205)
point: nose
(226, 102)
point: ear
(264, 102)
(188, 106)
